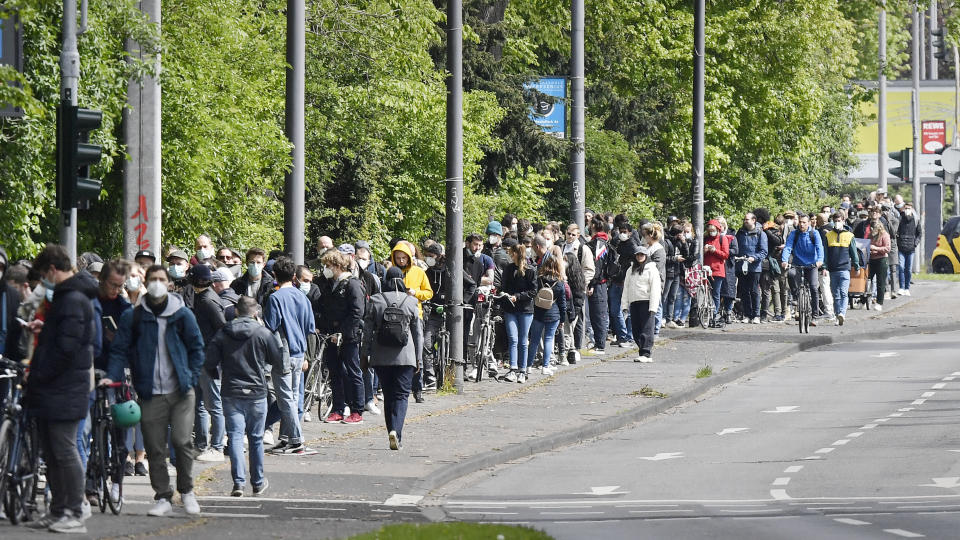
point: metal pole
(956, 124)
(922, 40)
(882, 100)
(915, 72)
(454, 183)
(577, 151)
(69, 80)
(699, 40)
(933, 72)
(142, 189)
(294, 187)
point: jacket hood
(770, 225)
(3, 257)
(402, 247)
(716, 224)
(602, 235)
(82, 282)
(174, 303)
(241, 328)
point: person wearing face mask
(804, 247)
(227, 296)
(371, 286)
(716, 251)
(493, 249)
(839, 257)
(892, 216)
(575, 243)
(160, 342)
(256, 282)
(642, 293)
(440, 282)
(770, 306)
(623, 244)
(179, 270)
(908, 238)
(677, 306)
(752, 243)
(366, 261)
(60, 383)
(879, 238)
(204, 250)
(480, 269)
(211, 317)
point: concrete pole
(699, 41)
(454, 183)
(882, 100)
(922, 40)
(915, 116)
(933, 72)
(577, 151)
(69, 81)
(142, 185)
(294, 187)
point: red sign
(934, 135)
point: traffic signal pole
(882, 99)
(69, 80)
(917, 151)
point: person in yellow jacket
(414, 277)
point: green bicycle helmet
(126, 414)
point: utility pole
(933, 72)
(882, 99)
(294, 195)
(699, 40)
(956, 124)
(454, 184)
(577, 150)
(915, 116)
(142, 193)
(69, 81)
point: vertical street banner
(548, 104)
(11, 53)
(933, 135)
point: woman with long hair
(641, 292)
(520, 282)
(549, 308)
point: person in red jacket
(716, 250)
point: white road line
(269, 499)
(928, 507)
(834, 508)
(733, 505)
(479, 506)
(255, 507)
(869, 426)
(903, 533)
(882, 420)
(956, 374)
(793, 469)
(824, 450)
(841, 442)
(227, 515)
(750, 511)
(812, 457)
(907, 502)
(905, 409)
(928, 394)
(780, 494)
(854, 435)
(918, 402)
(782, 481)
(646, 505)
(848, 521)
(315, 508)
(554, 507)
(569, 513)
(655, 511)
(938, 386)
(948, 378)
(487, 513)
(895, 415)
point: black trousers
(642, 322)
(396, 382)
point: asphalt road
(852, 441)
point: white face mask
(204, 254)
(328, 273)
(838, 225)
(624, 237)
(157, 290)
(688, 236)
(493, 239)
(363, 263)
(531, 254)
(132, 283)
(305, 287)
(477, 252)
(513, 227)
(254, 269)
(177, 271)
(789, 223)
(431, 261)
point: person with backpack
(753, 245)
(519, 280)
(908, 238)
(642, 292)
(576, 282)
(575, 243)
(396, 349)
(623, 244)
(549, 310)
(804, 247)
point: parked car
(946, 257)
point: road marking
(938, 386)
(750, 511)
(569, 513)
(487, 513)
(205, 506)
(854, 435)
(869, 426)
(276, 499)
(841, 442)
(914, 506)
(949, 482)
(663, 456)
(655, 511)
(733, 505)
(782, 481)
(848, 521)
(557, 507)
(780, 494)
(604, 490)
(731, 430)
(315, 508)
(791, 408)
(928, 394)
(793, 469)
(882, 420)
(895, 415)
(812, 457)
(956, 374)
(399, 499)
(646, 505)
(905, 409)
(948, 378)
(918, 402)
(903, 533)
(223, 515)
(884, 355)
(824, 450)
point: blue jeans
(518, 332)
(839, 286)
(599, 315)
(245, 416)
(214, 407)
(397, 382)
(619, 323)
(717, 284)
(201, 420)
(546, 330)
(905, 269)
(670, 298)
(285, 385)
(681, 308)
(370, 383)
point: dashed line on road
(813, 457)
(826, 450)
(928, 394)
(938, 386)
(882, 420)
(782, 481)
(780, 494)
(895, 415)
(848, 521)
(841, 442)
(902, 533)
(918, 402)
(793, 469)
(869, 426)
(854, 435)
(905, 409)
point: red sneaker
(354, 418)
(334, 418)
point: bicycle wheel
(440, 360)
(100, 465)
(311, 386)
(6, 454)
(324, 394)
(704, 305)
(19, 496)
(113, 477)
(803, 309)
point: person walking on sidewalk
(211, 317)
(60, 383)
(396, 349)
(908, 238)
(160, 342)
(642, 292)
(288, 313)
(839, 256)
(239, 356)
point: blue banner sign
(549, 107)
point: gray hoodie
(165, 378)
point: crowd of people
(216, 343)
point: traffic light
(75, 155)
(903, 171)
(940, 48)
(942, 173)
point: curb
(445, 475)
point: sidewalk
(451, 436)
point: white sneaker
(211, 455)
(645, 359)
(522, 377)
(670, 324)
(162, 508)
(755, 320)
(906, 292)
(306, 417)
(268, 439)
(548, 371)
(472, 374)
(346, 411)
(68, 524)
(371, 407)
(511, 377)
(114, 494)
(877, 307)
(190, 504)
(86, 511)
(840, 320)
(563, 361)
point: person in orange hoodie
(414, 277)
(716, 250)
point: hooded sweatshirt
(716, 258)
(243, 350)
(413, 277)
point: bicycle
(702, 294)
(483, 357)
(20, 481)
(441, 357)
(108, 453)
(804, 301)
(317, 388)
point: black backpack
(394, 328)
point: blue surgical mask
(49, 294)
(47, 284)
(176, 271)
(253, 269)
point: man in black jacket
(256, 282)
(240, 355)
(908, 238)
(61, 379)
(211, 317)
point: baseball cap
(362, 244)
(346, 249)
(201, 272)
(494, 227)
(435, 248)
(221, 274)
(179, 253)
(145, 253)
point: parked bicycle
(317, 387)
(441, 356)
(21, 480)
(482, 350)
(108, 449)
(699, 279)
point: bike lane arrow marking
(731, 430)
(947, 483)
(778, 410)
(603, 490)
